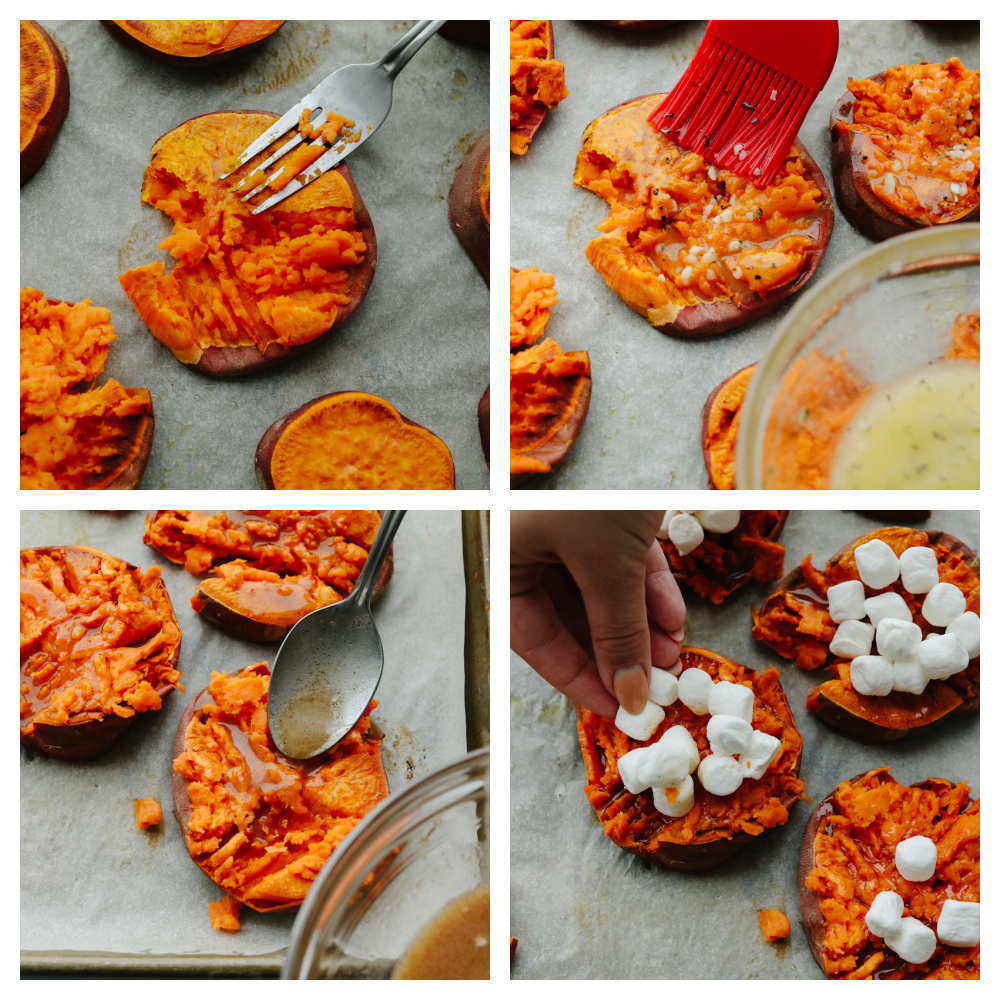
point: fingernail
(677, 635)
(631, 688)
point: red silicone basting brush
(741, 101)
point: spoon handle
(362, 594)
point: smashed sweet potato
(720, 421)
(906, 148)
(147, 813)
(192, 43)
(247, 291)
(774, 925)
(352, 441)
(725, 562)
(693, 248)
(469, 205)
(848, 857)
(260, 825)
(225, 914)
(272, 567)
(717, 827)
(97, 439)
(44, 96)
(537, 80)
(99, 645)
(795, 622)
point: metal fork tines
(361, 93)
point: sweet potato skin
(483, 418)
(706, 416)
(467, 33)
(465, 214)
(34, 154)
(121, 35)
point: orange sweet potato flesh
(192, 43)
(720, 422)
(72, 439)
(352, 441)
(774, 924)
(44, 96)
(693, 248)
(537, 80)
(795, 622)
(272, 567)
(99, 645)
(848, 857)
(717, 827)
(724, 563)
(260, 825)
(225, 914)
(247, 292)
(147, 813)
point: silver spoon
(329, 664)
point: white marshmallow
(958, 924)
(762, 753)
(682, 804)
(852, 639)
(662, 687)
(908, 675)
(729, 735)
(680, 737)
(847, 601)
(889, 605)
(693, 688)
(914, 943)
(643, 725)
(663, 765)
(668, 516)
(719, 774)
(628, 770)
(916, 858)
(686, 533)
(919, 569)
(727, 698)
(897, 639)
(885, 915)
(966, 627)
(943, 604)
(940, 656)
(871, 675)
(877, 564)
(718, 521)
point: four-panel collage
(257, 743)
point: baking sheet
(91, 881)
(643, 429)
(420, 337)
(581, 907)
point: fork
(361, 93)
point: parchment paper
(419, 339)
(643, 429)
(90, 879)
(581, 907)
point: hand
(593, 604)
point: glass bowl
(877, 318)
(410, 856)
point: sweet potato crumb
(774, 924)
(224, 914)
(147, 813)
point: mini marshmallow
(727, 698)
(916, 858)
(718, 521)
(943, 604)
(662, 687)
(966, 627)
(628, 770)
(643, 725)
(728, 735)
(719, 774)
(680, 737)
(889, 605)
(664, 765)
(763, 750)
(877, 564)
(958, 924)
(668, 516)
(897, 639)
(908, 675)
(847, 601)
(885, 915)
(919, 569)
(940, 656)
(852, 639)
(693, 688)
(871, 675)
(682, 804)
(914, 943)
(686, 533)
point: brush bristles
(724, 100)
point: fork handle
(407, 47)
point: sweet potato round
(94, 733)
(861, 206)
(245, 35)
(717, 478)
(465, 212)
(48, 97)
(483, 416)
(467, 32)
(532, 121)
